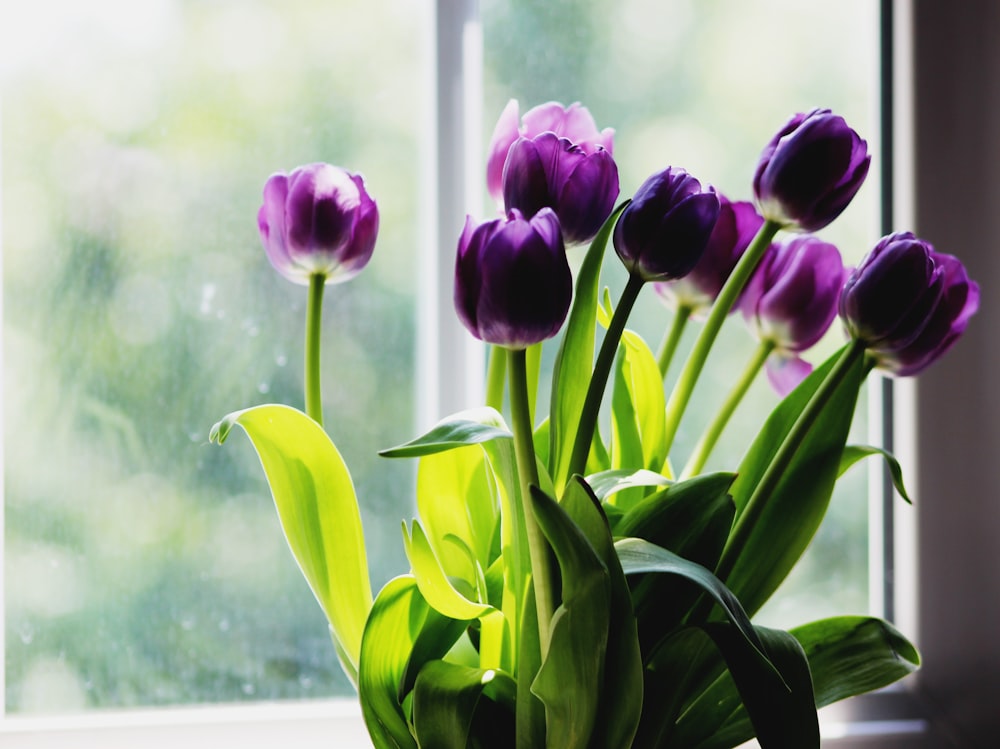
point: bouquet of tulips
(570, 589)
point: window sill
(259, 726)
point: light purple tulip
(318, 220)
(575, 123)
(513, 284)
(810, 171)
(790, 301)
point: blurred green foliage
(145, 567)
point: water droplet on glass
(224, 625)
(263, 388)
(248, 689)
(281, 360)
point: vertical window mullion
(450, 362)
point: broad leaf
(606, 483)
(572, 671)
(851, 655)
(396, 620)
(318, 509)
(620, 700)
(455, 707)
(435, 586)
(854, 453)
(797, 504)
(464, 428)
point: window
(103, 154)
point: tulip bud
(908, 303)
(574, 123)
(513, 284)
(737, 225)
(810, 171)
(790, 302)
(663, 232)
(317, 220)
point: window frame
(936, 550)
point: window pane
(144, 566)
(704, 86)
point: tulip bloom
(810, 171)
(738, 223)
(662, 234)
(574, 123)
(317, 220)
(908, 303)
(790, 302)
(513, 284)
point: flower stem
(314, 317)
(495, 372)
(599, 379)
(681, 394)
(673, 337)
(527, 469)
(754, 508)
(714, 430)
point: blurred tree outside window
(145, 567)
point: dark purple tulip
(574, 123)
(790, 301)
(908, 303)
(737, 225)
(319, 219)
(810, 171)
(549, 171)
(513, 284)
(663, 232)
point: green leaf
(692, 519)
(639, 556)
(464, 428)
(458, 509)
(848, 655)
(638, 408)
(782, 710)
(606, 483)
(318, 509)
(575, 360)
(435, 586)
(798, 503)
(620, 700)
(396, 619)
(854, 453)
(572, 671)
(851, 655)
(457, 706)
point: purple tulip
(737, 225)
(790, 301)
(908, 303)
(663, 232)
(513, 284)
(317, 220)
(574, 123)
(810, 171)
(549, 171)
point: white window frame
(945, 589)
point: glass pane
(143, 565)
(704, 86)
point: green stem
(527, 470)
(673, 337)
(495, 372)
(681, 394)
(782, 459)
(314, 318)
(599, 379)
(714, 430)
